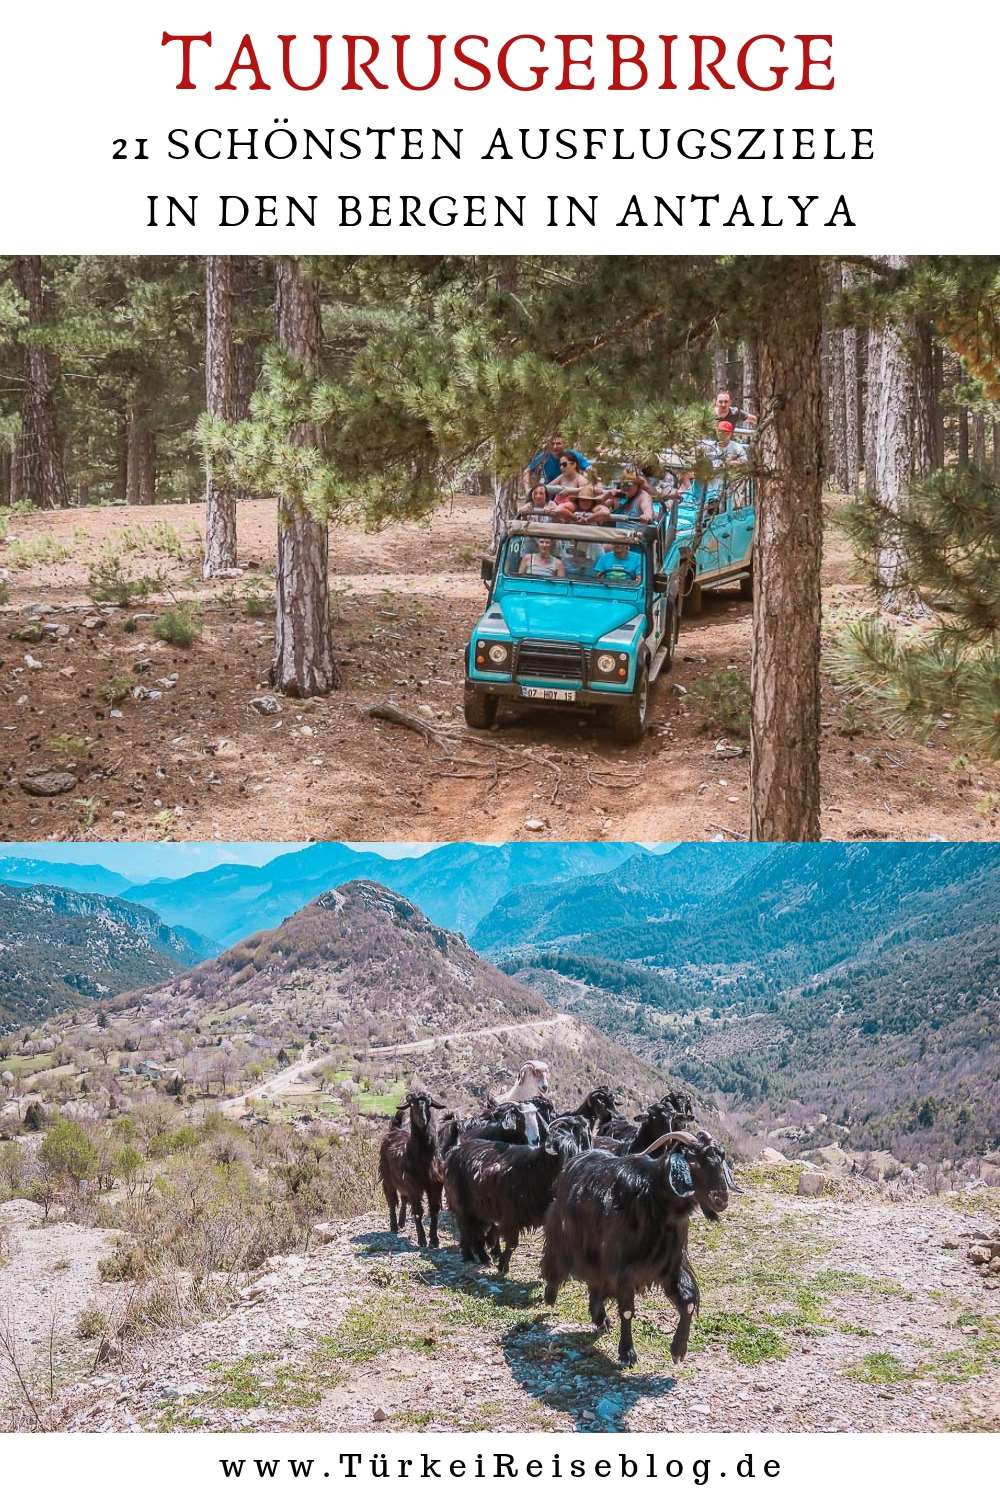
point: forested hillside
(59, 948)
(859, 983)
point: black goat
(518, 1124)
(620, 1225)
(410, 1167)
(497, 1191)
(619, 1135)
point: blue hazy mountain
(454, 885)
(72, 877)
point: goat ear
(508, 1120)
(550, 1146)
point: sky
(140, 862)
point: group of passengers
(724, 449)
(563, 486)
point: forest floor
(186, 756)
(854, 1312)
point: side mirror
(661, 583)
(486, 569)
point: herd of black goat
(615, 1196)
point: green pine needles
(948, 528)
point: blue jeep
(577, 617)
(715, 529)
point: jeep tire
(480, 708)
(693, 598)
(746, 585)
(629, 718)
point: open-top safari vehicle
(577, 617)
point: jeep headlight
(612, 666)
(493, 656)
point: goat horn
(436, 1105)
(683, 1137)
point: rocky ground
(186, 755)
(851, 1311)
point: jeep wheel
(629, 719)
(746, 585)
(693, 598)
(480, 708)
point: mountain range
(362, 970)
(60, 947)
(860, 980)
(454, 884)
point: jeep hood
(563, 617)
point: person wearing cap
(634, 500)
(725, 450)
(725, 411)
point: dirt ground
(191, 759)
(817, 1315)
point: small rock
(811, 1184)
(93, 622)
(379, 1415)
(725, 750)
(705, 1411)
(265, 705)
(67, 671)
(32, 662)
(535, 825)
(52, 784)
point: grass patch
(35, 551)
(258, 1380)
(776, 1177)
(747, 1341)
(832, 1279)
(25, 1066)
(392, 1319)
(880, 1369)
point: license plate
(550, 695)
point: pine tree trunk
(40, 474)
(939, 447)
(852, 411)
(303, 659)
(505, 497)
(873, 363)
(140, 480)
(720, 369)
(785, 689)
(220, 504)
(749, 394)
(6, 466)
(838, 412)
(892, 400)
(925, 402)
(996, 450)
(963, 439)
(979, 441)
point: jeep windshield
(601, 561)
